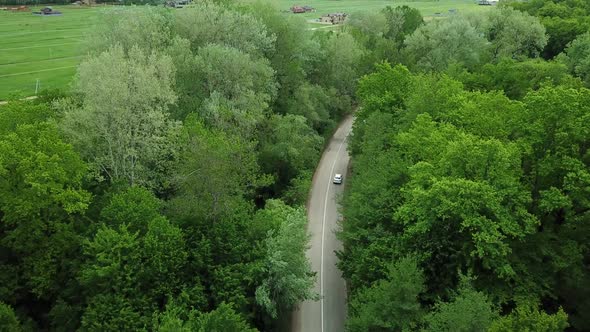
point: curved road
(327, 314)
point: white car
(338, 179)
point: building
(302, 9)
(297, 9)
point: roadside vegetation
(164, 191)
(467, 209)
(164, 188)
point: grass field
(39, 47)
(428, 8)
(48, 49)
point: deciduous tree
(120, 125)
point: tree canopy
(165, 189)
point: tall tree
(528, 317)
(215, 172)
(148, 28)
(391, 304)
(401, 22)
(289, 146)
(8, 320)
(234, 88)
(564, 20)
(129, 275)
(40, 197)
(121, 126)
(577, 57)
(209, 23)
(440, 43)
(469, 310)
(288, 278)
(338, 65)
(222, 319)
(514, 34)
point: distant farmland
(45, 48)
(426, 7)
(48, 49)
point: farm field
(39, 47)
(426, 7)
(48, 49)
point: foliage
(337, 65)
(129, 274)
(514, 34)
(289, 147)
(469, 310)
(401, 22)
(471, 182)
(517, 78)
(121, 125)
(435, 46)
(209, 23)
(22, 112)
(368, 23)
(391, 304)
(577, 57)
(147, 28)
(234, 88)
(470, 160)
(8, 320)
(223, 318)
(288, 278)
(40, 193)
(564, 20)
(215, 172)
(528, 318)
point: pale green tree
(209, 23)
(368, 23)
(401, 21)
(120, 125)
(440, 43)
(147, 27)
(514, 34)
(288, 278)
(338, 65)
(577, 57)
(235, 89)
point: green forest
(468, 208)
(165, 189)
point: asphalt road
(327, 314)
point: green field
(41, 48)
(428, 8)
(48, 49)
